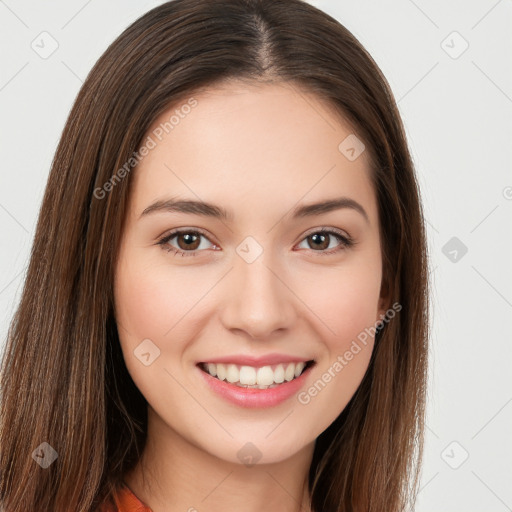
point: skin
(258, 151)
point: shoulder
(125, 501)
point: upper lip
(265, 360)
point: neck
(176, 475)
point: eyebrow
(211, 210)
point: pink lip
(265, 360)
(253, 398)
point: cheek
(161, 303)
(152, 300)
(345, 301)
(142, 308)
(151, 304)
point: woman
(226, 303)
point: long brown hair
(63, 377)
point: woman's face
(256, 291)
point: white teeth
(279, 374)
(249, 376)
(290, 372)
(221, 372)
(212, 369)
(298, 368)
(232, 373)
(265, 376)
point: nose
(259, 300)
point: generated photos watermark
(305, 397)
(151, 142)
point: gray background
(456, 104)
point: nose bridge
(258, 301)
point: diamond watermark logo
(44, 455)
(351, 147)
(455, 455)
(249, 454)
(454, 249)
(45, 45)
(249, 249)
(146, 352)
(454, 45)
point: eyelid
(346, 241)
(326, 229)
(162, 240)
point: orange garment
(126, 501)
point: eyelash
(345, 241)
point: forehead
(256, 144)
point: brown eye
(320, 241)
(188, 240)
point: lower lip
(251, 397)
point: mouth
(256, 377)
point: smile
(262, 377)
